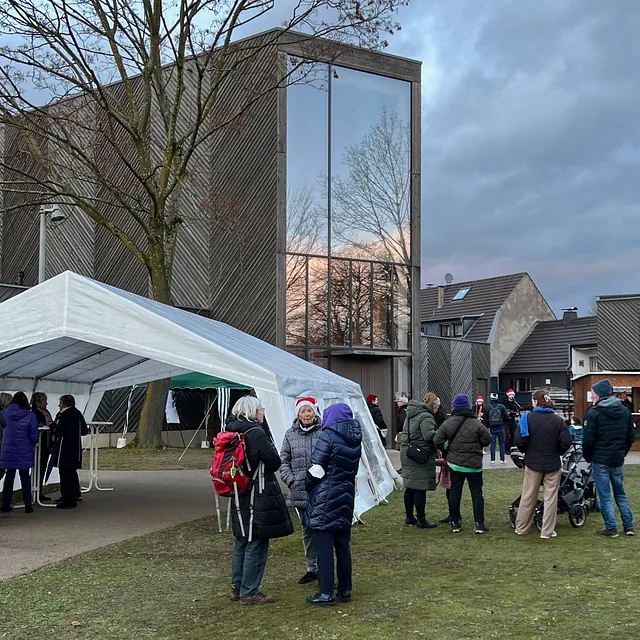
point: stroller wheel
(577, 515)
(513, 514)
(538, 515)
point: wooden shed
(621, 381)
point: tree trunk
(155, 401)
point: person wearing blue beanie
(608, 434)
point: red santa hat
(479, 399)
(511, 392)
(307, 402)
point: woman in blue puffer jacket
(18, 444)
(331, 488)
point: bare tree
(112, 101)
(371, 208)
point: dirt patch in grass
(408, 583)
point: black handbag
(414, 451)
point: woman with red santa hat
(297, 448)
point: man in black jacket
(608, 434)
(68, 428)
(514, 410)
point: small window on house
(457, 330)
(593, 363)
(523, 384)
(445, 330)
(461, 294)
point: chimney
(570, 314)
(440, 297)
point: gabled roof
(72, 329)
(484, 299)
(546, 349)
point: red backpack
(230, 467)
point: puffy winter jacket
(548, 439)
(297, 449)
(608, 433)
(270, 515)
(465, 440)
(421, 427)
(337, 453)
(19, 438)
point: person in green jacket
(418, 478)
(461, 438)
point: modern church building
(301, 217)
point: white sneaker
(553, 535)
(493, 463)
(503, 464)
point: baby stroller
(577, 496)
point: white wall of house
(524, 308)
(582, 361)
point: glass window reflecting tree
(307, 159)
(370, 166)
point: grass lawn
(132, 459)
(407, 583)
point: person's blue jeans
(248, 565)
(497, 433)
(604, 478)
(7, 492)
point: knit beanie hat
(307, 402)
(603, 388)
(461, 401)
(371, 398)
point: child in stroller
(577, 490)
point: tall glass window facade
(348, 211)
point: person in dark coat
(331, 481)
(543, 437)
(440, 412)
(5, 401)
(626, 403)
(418, 478)
(496, 418)
(608, 434)
(39, 408)
(378, 419)
(515, 411)
(297, 448)
(68, 428)
(401, 413)
(461, 438)
(18, 444)
(269, 517)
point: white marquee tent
(74, 335)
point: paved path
(143, 501)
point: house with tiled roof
(500, 311)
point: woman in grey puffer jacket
(297, 448)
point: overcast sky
(531, 142)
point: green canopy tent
(202, 382)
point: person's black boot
(28, 509)
(344, 596)
(425, 524)
(445, 520)
(410, 521)
(308, 577)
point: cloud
(531, 142)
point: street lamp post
(52, 210)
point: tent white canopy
(75, 335)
